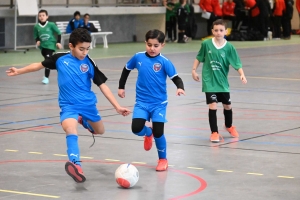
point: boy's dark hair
(43, 11)
(86, 14)
(76, 13)
(79, 35)
(155, 34)
(219, 22)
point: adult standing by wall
(170, 20)
(264, 16)
(206, 6)
(298, 9)
(183, 10)
(287, 19)
(279, 7)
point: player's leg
(158, 116)
(161, 145)
(139, 118)
(225, 98)
(46, 53)
(69, 125)
(90, 119)
(211, 101)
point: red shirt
(298, 5)
(279, 8)
(228, 8)
(251, 4)
(217, 8)
(206, 5)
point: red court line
(202, 182)
(24, 130)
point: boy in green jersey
(171, 20)
(45, 39)
(217, 55)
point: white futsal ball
(127, 175)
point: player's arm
(179, 84)
(194, 70)
(57, 31)
(122, 82)
(30, 68)
(242, 75)
(100, 79)
(111, 98)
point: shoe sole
(215, 141)
(74, 173)
(161, 170)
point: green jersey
(216, 61)
(170, 13)
(45, 33)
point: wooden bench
(62, 25)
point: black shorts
(47, 52)
(215, 97)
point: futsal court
(263, 163)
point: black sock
(228, 117)
(47, 73)
(212, 115)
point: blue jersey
(151, 86)
(74, 78)
(73, 24)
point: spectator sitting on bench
(88, 25)
(74, 23)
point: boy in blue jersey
(151, 93)
(75, 22)
(76, 99)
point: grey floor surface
(262, 164)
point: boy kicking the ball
(151, 93)
(76, 99)
(217, 55)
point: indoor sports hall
(263, 163)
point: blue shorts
(88, 112)
(157, 113)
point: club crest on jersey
(157, 67)
(84, 68)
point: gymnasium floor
(262, 164)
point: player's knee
(137, 125)
(227, 107)
(213, 106)
(137, 128)
(158, 129)
(70, 129)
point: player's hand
(123, 111)
(243, 79)
(121, 93)
(180, 92)
(12, 71)
(58, 45)
(195, 76)
(38, 43)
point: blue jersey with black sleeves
(151, 85)
(74, 78)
